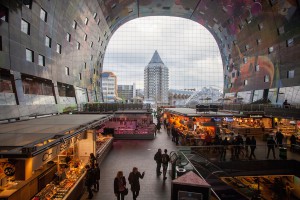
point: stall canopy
(189, 112)
(47, 131)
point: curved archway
(257, 41)
(187, 49)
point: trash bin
(282, 153)
(180, 171)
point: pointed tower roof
(156, 58)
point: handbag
(125, 192)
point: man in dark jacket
(271, 147)
(279, 137)
(89, 180)
(165, 159)
(97, 177)
(133, 179)
(157, 158)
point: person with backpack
(165, 161)
(89, 181)
(157, 158)
(133, 179)
(97, 177)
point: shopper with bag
(165, 159)
(133, 179)
(120, 189)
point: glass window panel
(25, 27)
(41, 60)
(43, 15)
(48, 41)
(29, 55)
(58, 48)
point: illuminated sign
(185, 195)
(256, 116)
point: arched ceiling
(248, 32)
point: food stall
(193, 127)
(287, 126)
(251, 125)
(44, 158)
(131, 124)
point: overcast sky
(187, 49)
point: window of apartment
(67, 71)
(266, 78)
(101, 43)
(290, 42)
(29, 55)
(0, 43)
(245, 82)
(41, 60)
(86, 21)
(95, 15)
(84, 64)
(25, 27)
(105, 33)
(247, 47)
(27, 3)
(260, 26)
(3, 13)
(291, 74)
(281, 30)
(245, 60)
(257, 68)
(91, 80)
(85, 37)
(271, 49)
(48, 41)
(78, 45)
(94, 71)
(74, 25)
(80, 77)
(258, 41)
(98, 22)
(58, 48)
(233, 75)
(99, 39)
(91, 45)
(68, 37)
(43, 15)
(91, 57)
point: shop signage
(7, 168)
(50, 154)
(256, 116)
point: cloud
(187, 49)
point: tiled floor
(127, 154)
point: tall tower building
(156, 80)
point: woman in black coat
(133, 179)
(120, 185)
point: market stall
(195, 128)
(45, 158)
(132, 124)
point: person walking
(271, 147)
(157, 158)
(165, 162)
(247, 144)
(120, 185)
(293, 141)
(252, 148)
(279, 137)
(224, 144)
(133, 179)
(97, 177)
(89, 181)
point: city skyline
(191, 53)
